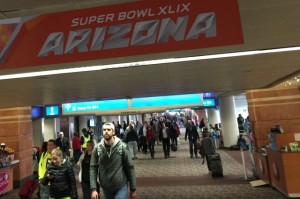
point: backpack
(241, 120)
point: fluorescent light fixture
(146, 63)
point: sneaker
(166, 156)
(191, 157)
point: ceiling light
(145, 63)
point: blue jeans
(122, 193)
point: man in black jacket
(131, 140)
(192, 133)
(63, 143)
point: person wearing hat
(112, 164)
(63, 143)
(84, 139)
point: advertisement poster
(121, 30)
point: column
(83, 119)
(228, 121)
(37, 132)
(49, 129)
(98, 129)
(202, 114)
(123, 118)
(213, 116)
(16, 133)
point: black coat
(63, 184)
(161, 133)
(131, 136)
(192, 133)
(63, 144)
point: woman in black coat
(61, 177)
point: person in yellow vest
(84, 139)
(45, 160)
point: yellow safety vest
(45, 160)
(85, 141)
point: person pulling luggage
(208, 147)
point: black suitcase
(215, 165)
(28, 189)
(173, 147)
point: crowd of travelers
(109, 163)
(143, 137)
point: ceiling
(266, 24)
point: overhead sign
(94, 106)
(52, 111)
(209, 102)
(133, 106)
(129, 29)
(168, 101)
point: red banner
(137, 28)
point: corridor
(180, 177)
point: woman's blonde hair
(57, 152)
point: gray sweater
(208, 146)
(114, 167)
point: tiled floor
(180, 177)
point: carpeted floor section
(181, 177)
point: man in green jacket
(112, 163)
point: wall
(241, 106)
(83, 121)
(37, 132)
(268, 107)
(213, 116)
(110, 119)
(16, 133)
(49, 129)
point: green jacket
(114, 169)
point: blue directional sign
(167, 101)
(95, 106)
(52, 111)
(209, 102)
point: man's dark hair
(53, 141)
(204, 134)
(83, 130)
(90, 142)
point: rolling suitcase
(28, 189)
(215, 165)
